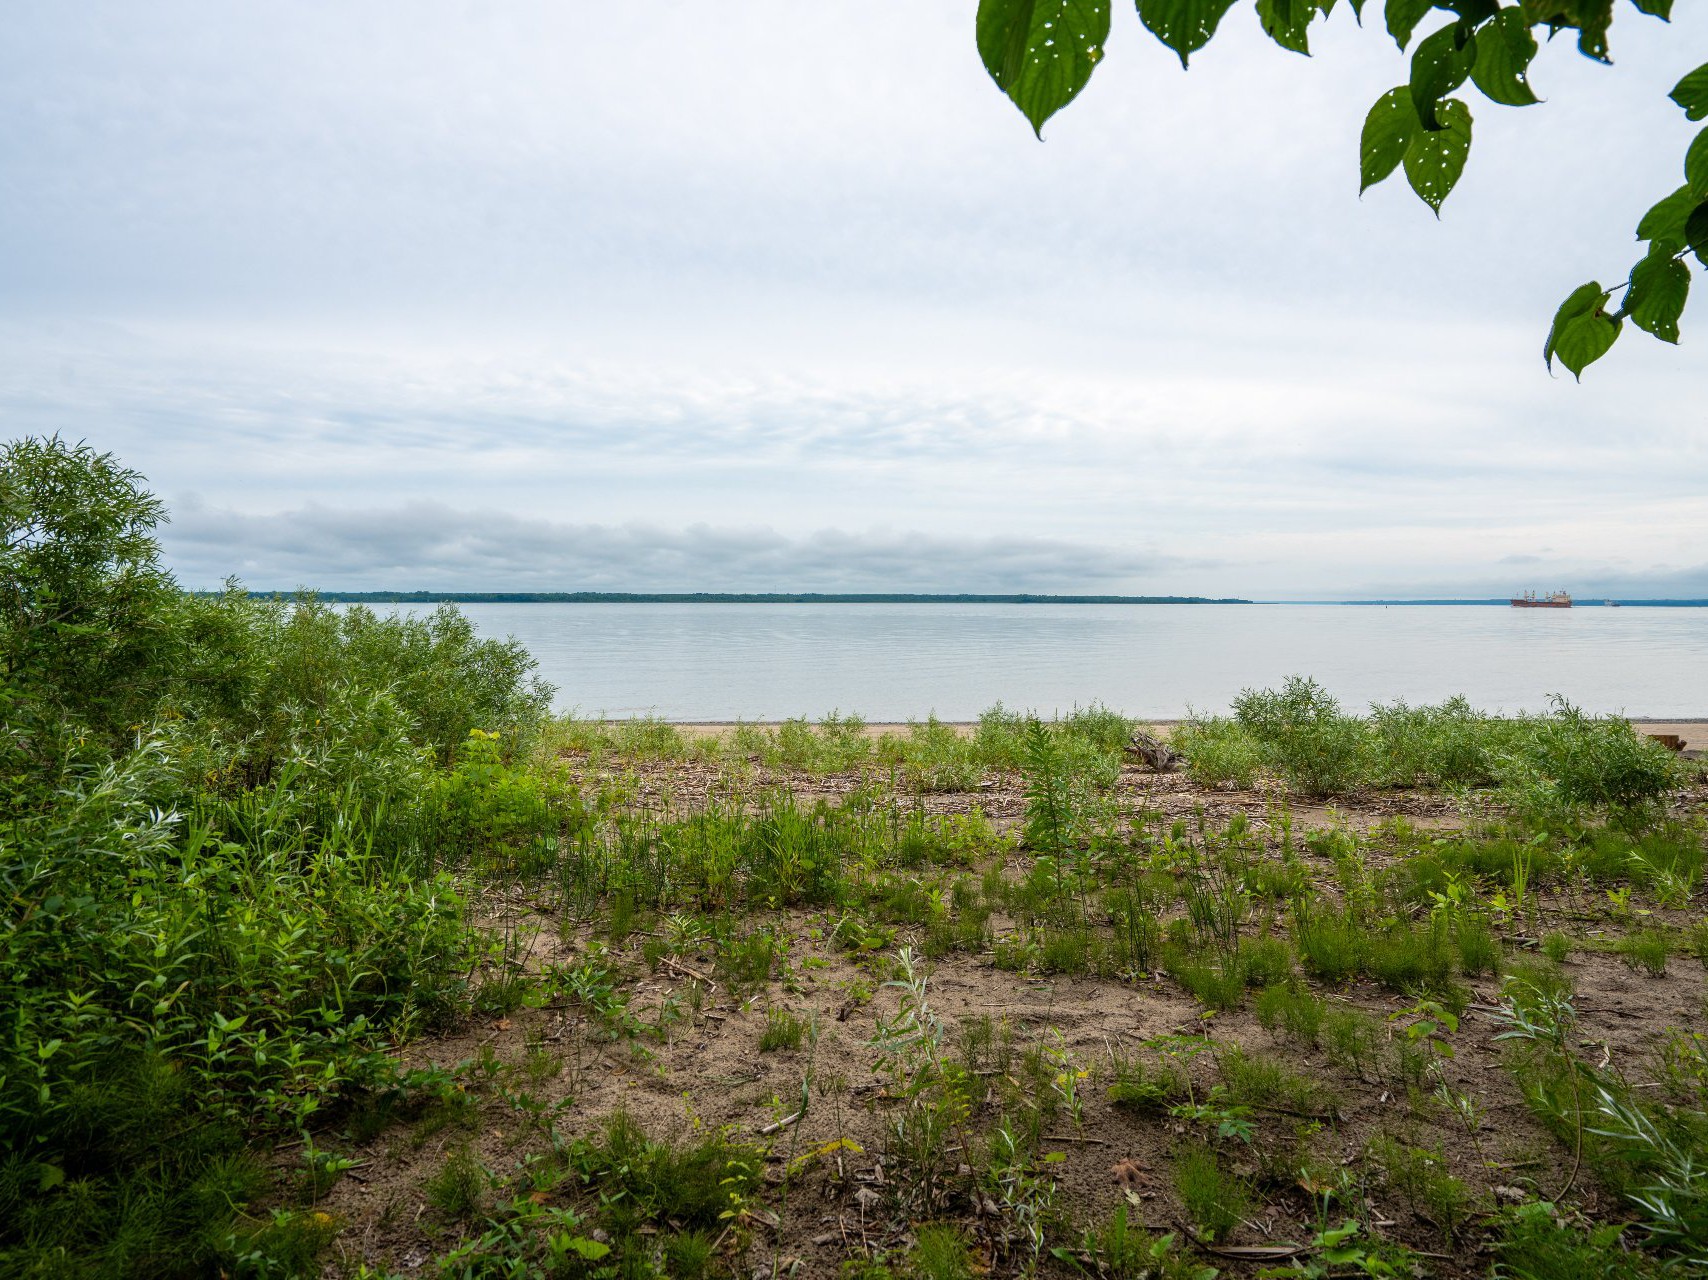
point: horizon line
(382, 596)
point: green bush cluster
(225, 829)
(1547, 766)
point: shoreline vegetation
(716, 597)
(329, 951)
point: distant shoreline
(718, 597)
(826, 597)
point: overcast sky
(774, 295)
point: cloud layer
(431, 547)
(715, 295)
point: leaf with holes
(1582, 331)
(1665, 221)
(1439, 66)
(1287, 21)
(1388, 131)
(1183, 25)
(1660, 283)
(1696, 232)
(1402, 17)
(1041, 53)
(1505, 48)
(1436, 157)
(1691, 93)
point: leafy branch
(1041, 53)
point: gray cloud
(766, 270)
(428, 546)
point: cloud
(773, 271)
(428, 546)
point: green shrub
(1218, 752)
(1316, 748)
(223, 823)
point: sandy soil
(1694, 732)
(706, 1069)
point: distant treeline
(722, 597)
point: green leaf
(1582, 331)
(1285, 22)
(1388, 131)
(1471, 12)
(1402, 18)
(1696, 232)
(1665, 221)
(1041, 53)
(1594, 17)
(1660, 283)
(1696, 166)
(1442, 61)
(1183, 25)
(1691, 93)
(1661, 9)
(1436, 157)
(1505, 48)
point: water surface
(902, 661)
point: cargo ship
(1530, 600)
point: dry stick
(1577, 1155)
(779, 1125)
(678, 967)
(1065, 1137)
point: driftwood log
(1154, 753)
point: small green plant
(1420, 1176)
(783, 1030)
(1647, 950)
(1293, 1010)
(1125, 1251)
(1346, 1250)
(459, 1189)
(940, 1252)
(1215, 1200)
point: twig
(779, 1125)
(677, 966)
(1064, 1137)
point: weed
(1479, 949)
(1647, 950)
(1129, 1252)
(1292, 1009)
(1215, 1200)
(1256, 1080)
(1420, 1176)
(783, 1030)
(1536, 1244)
(940, 1252)
(1331, 946)
(1352, 1039)
(459, 1189)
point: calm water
(895, 662)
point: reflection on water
(897, 661)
